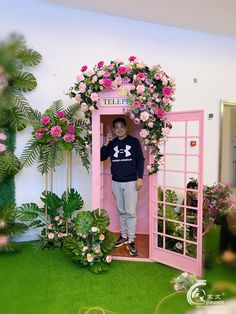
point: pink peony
(100, 64)
(94, 97)
(56, 131)
(144, 133)
(60, 114)
(45, 120)
(71, 129)
(50, 236)
(160, 113)
(68, 137)
(2, 137)
(84, 68)
(141, 75)
(101, 237)
(167, 91)
(144, 116)
(106, 82)
(140, 89)
(121, 69)
(3, 240)
(38, 134)
(108, 258)
(132, 58)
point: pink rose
(78, 97)
(167, 91)
(165, 100)
(100, 64)
(94, 97)
(38, 134)
(82, 87)
(121, 69)
(45, 120)
(132, 58)
(106, 83)
(160, 113)
(89, 73)
(106, 74)
(157, 76)
(110, 67)
(144, 116)
(140, 89)
(60, 114)
(50, 227)
(100, 73)
(97, 250)
(101, 237)
(71, 129)
(84, 107)
(3, 137)
(141, 75)
(79, 78)
(61, 235)
(50, 236)
(84, 68)
(70, 138)
(3, 240)
(136, 105)
(94, 79)
(108, 258)
(143, 107)
(144, 133)
(141, 65)
(56, 131)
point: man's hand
(139, 184)
(108, 138)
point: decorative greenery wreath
(150, 93)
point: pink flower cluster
(3, 147)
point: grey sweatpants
(126, 200)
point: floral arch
(150, 95)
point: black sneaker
(132, 249)
(121, 241)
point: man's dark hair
(122, 120)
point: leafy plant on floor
(59, 222)
(9, 228)
(93, 243)
(56, 131)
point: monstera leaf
(52, 201)
(28, 212)
(84, 221)
(101, 218)
(109, 242)
(71, 201)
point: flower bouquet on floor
(57, 223)
(92, 244)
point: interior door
(175, 221)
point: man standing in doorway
(127, 167)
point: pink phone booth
(154, 240)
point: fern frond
(56, 106)
(30, 153)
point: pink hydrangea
(84, 68)
(3, 137)
(68, 137)
(2, 148)
(71, 129)
(60, 114)
(144, 116)
(45, 120)
(100, 64)
(160, 113)
(121, 69)
(144, 133)
(132, 58)
(106, 82)
(56, 131)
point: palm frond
(56, 106)
(29, 57)
(30, 153)
(72, 109)
(17, 119)
(24, 82)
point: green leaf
(30, 153)
(29, 57)
(108, 243)
(101, 219)
(56, 106)
(28, 211)
(53, 202)
(24, 82)
(84, 221)
(71, 201)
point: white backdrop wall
(68, 38)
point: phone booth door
(176, 211)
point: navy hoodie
(127, 161)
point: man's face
(120, 129)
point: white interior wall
(68, 38)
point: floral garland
(150, 94)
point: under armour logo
(122, 151)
